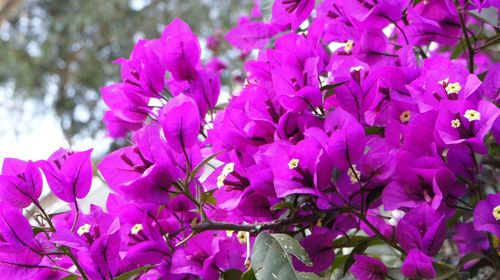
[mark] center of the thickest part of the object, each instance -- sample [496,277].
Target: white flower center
[348,46]
[228,168]
[354,174]
[136,228]
[455,123]
[294,163]
[356,68]
[405,116]
[242,237]
[453,88]
[83,229]
[496,212]
[472,115]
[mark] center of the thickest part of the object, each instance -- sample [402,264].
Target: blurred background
[56,54]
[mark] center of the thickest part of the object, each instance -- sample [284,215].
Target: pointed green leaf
[132,273]
[248,275]
[282,205]
[271,261]
[444,272]
[232,274]
[203,163]
[359,249]
[293,247]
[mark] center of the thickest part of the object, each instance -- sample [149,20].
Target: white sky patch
[433,46]
[333,46]
[388,30]
[138,5]
[31,137]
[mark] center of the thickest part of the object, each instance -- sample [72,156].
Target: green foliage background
[59,52]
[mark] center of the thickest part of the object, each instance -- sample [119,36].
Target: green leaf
[208,198]
[293,247]
[444,272]
[71,277]
[457,51]
[271,261]
[37,230]
[375,130]
[395,273]
[469,257]
[203,163]
[308,276]
[339,262]
[248,275]
[359,249]
[330,88]
[232,274]
[129,275]
[282,205]
[344,242]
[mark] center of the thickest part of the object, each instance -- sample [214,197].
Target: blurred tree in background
[58,52]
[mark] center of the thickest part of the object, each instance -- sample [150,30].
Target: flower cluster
[354,127]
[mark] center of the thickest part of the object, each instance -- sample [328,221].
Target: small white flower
[472,115]
[83,229]
[455,123]
[452,88]
[348,46]
[356,68]
[294,163]
[136,228]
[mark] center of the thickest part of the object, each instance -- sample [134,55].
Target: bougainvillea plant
[363,141]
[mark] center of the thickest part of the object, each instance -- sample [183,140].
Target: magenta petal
[347,142]
[320,250]
[180,120]
[78,170]
[24,184]
[250,35]
[22,265]
[417,265]
[14,227]
[121,166]
[368,268]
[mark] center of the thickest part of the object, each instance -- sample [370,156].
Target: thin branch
[254,228]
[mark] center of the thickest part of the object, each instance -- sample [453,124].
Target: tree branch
[253,228]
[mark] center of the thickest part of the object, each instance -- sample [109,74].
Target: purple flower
[69,174]
[487,214]
[319,247]
[347,141]
[468,240]
[250,35]
[418,265]
[180,121]
[181,50]
[462,123]
[15,230]
[422,228]
[368,268]
[292,12]
[20,182]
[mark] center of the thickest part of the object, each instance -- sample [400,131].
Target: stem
[45,216]
[377,232]
[75,261]
[470,49]
[77,210]
[253,228]
[489,42]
